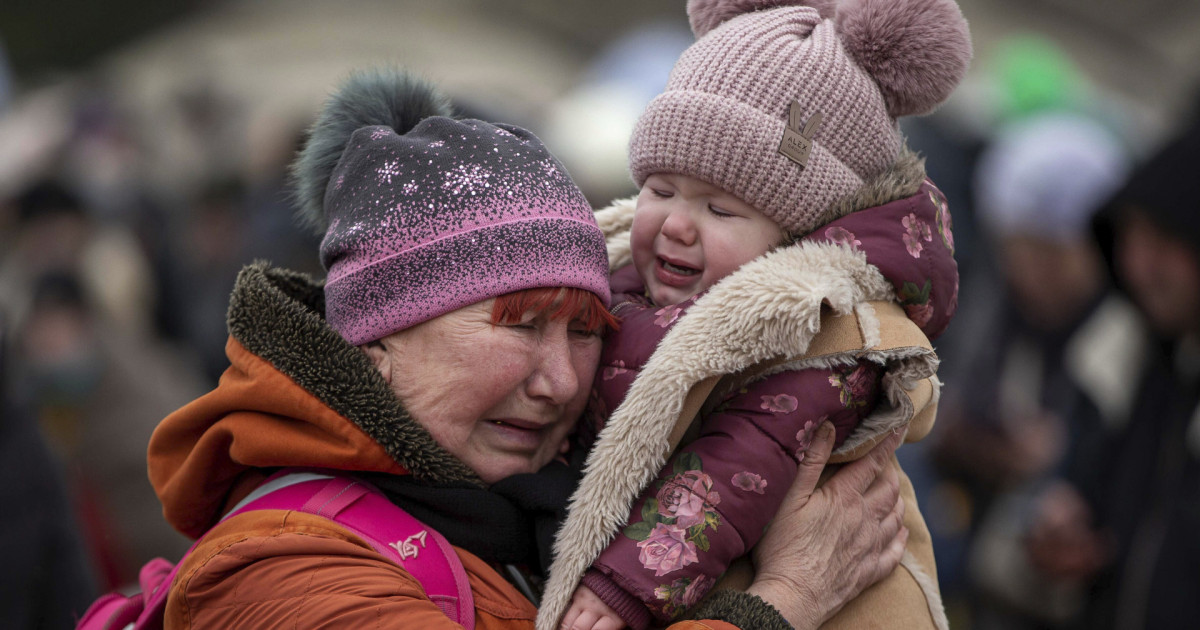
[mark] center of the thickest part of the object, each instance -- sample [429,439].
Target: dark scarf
[512,522]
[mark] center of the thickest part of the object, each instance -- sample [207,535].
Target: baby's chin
[665,296]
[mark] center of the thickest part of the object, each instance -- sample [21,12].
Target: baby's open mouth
[679,269]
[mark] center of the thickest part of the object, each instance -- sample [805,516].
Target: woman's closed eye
[530,324]
[536,326]
[584,332]
[662,193]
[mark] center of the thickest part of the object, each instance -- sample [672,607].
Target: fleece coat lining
[768,311]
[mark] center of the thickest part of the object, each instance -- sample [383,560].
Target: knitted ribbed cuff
[631,609]
[742,610]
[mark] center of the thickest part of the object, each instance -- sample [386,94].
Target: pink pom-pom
[916,50]
[705,15]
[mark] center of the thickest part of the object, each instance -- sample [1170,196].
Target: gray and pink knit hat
[791,105]
[424,214]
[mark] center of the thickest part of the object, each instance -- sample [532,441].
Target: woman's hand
[826,545]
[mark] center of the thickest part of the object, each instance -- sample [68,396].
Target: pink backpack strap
[356,506]
[394,533]
[140,611]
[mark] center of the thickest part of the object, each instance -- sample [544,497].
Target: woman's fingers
[893,540]
[892,555]
[883,494]
[870,487]
[826,546]
[891,522]
[862,473]
[809,472]
[815,459]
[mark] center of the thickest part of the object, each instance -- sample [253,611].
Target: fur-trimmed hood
[295,394]
[876,282]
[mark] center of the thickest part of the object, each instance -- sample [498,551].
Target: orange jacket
[274,569]
[296,394]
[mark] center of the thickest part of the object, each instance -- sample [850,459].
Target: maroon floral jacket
[713,500]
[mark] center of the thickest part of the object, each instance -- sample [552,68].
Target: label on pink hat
[796,144]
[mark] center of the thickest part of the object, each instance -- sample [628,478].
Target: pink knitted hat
[424,214]
[791,104]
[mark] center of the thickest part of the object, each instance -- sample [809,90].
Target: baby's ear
[916,50]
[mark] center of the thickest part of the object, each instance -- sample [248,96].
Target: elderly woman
[445,362]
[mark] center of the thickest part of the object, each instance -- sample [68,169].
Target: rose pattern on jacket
[749,482]
[915,231]
[666,549]
[687,497]
[920,314]
[854,384]
[671,533]
[915,301]
[683,592]
[780,403]
[842,236]
[804,436]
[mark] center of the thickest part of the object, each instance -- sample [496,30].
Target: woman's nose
[679,226]
[555,379]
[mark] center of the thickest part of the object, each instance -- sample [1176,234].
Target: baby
[773,184]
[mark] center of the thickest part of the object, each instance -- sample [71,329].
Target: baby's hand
[589,612]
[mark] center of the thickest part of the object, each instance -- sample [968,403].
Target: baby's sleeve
[715,497]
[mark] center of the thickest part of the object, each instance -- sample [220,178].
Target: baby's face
[688,234]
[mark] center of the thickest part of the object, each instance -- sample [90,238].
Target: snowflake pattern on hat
[451,213]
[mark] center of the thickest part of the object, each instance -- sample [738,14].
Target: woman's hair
[555,302]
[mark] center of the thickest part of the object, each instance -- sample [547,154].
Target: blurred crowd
[113,298]
[1061,487]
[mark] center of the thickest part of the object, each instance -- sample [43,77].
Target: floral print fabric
[712,502]
[912,242]
[915,231]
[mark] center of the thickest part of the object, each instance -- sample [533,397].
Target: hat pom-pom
[916,50]
[705,15]
[391,98]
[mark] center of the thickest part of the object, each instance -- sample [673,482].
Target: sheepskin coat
[834,326]
[297,395]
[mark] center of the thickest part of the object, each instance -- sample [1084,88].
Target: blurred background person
[1025,168]
[1047,334]
[47,578]
[92,389]
[1121,526]
[71,302]
[88,369]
